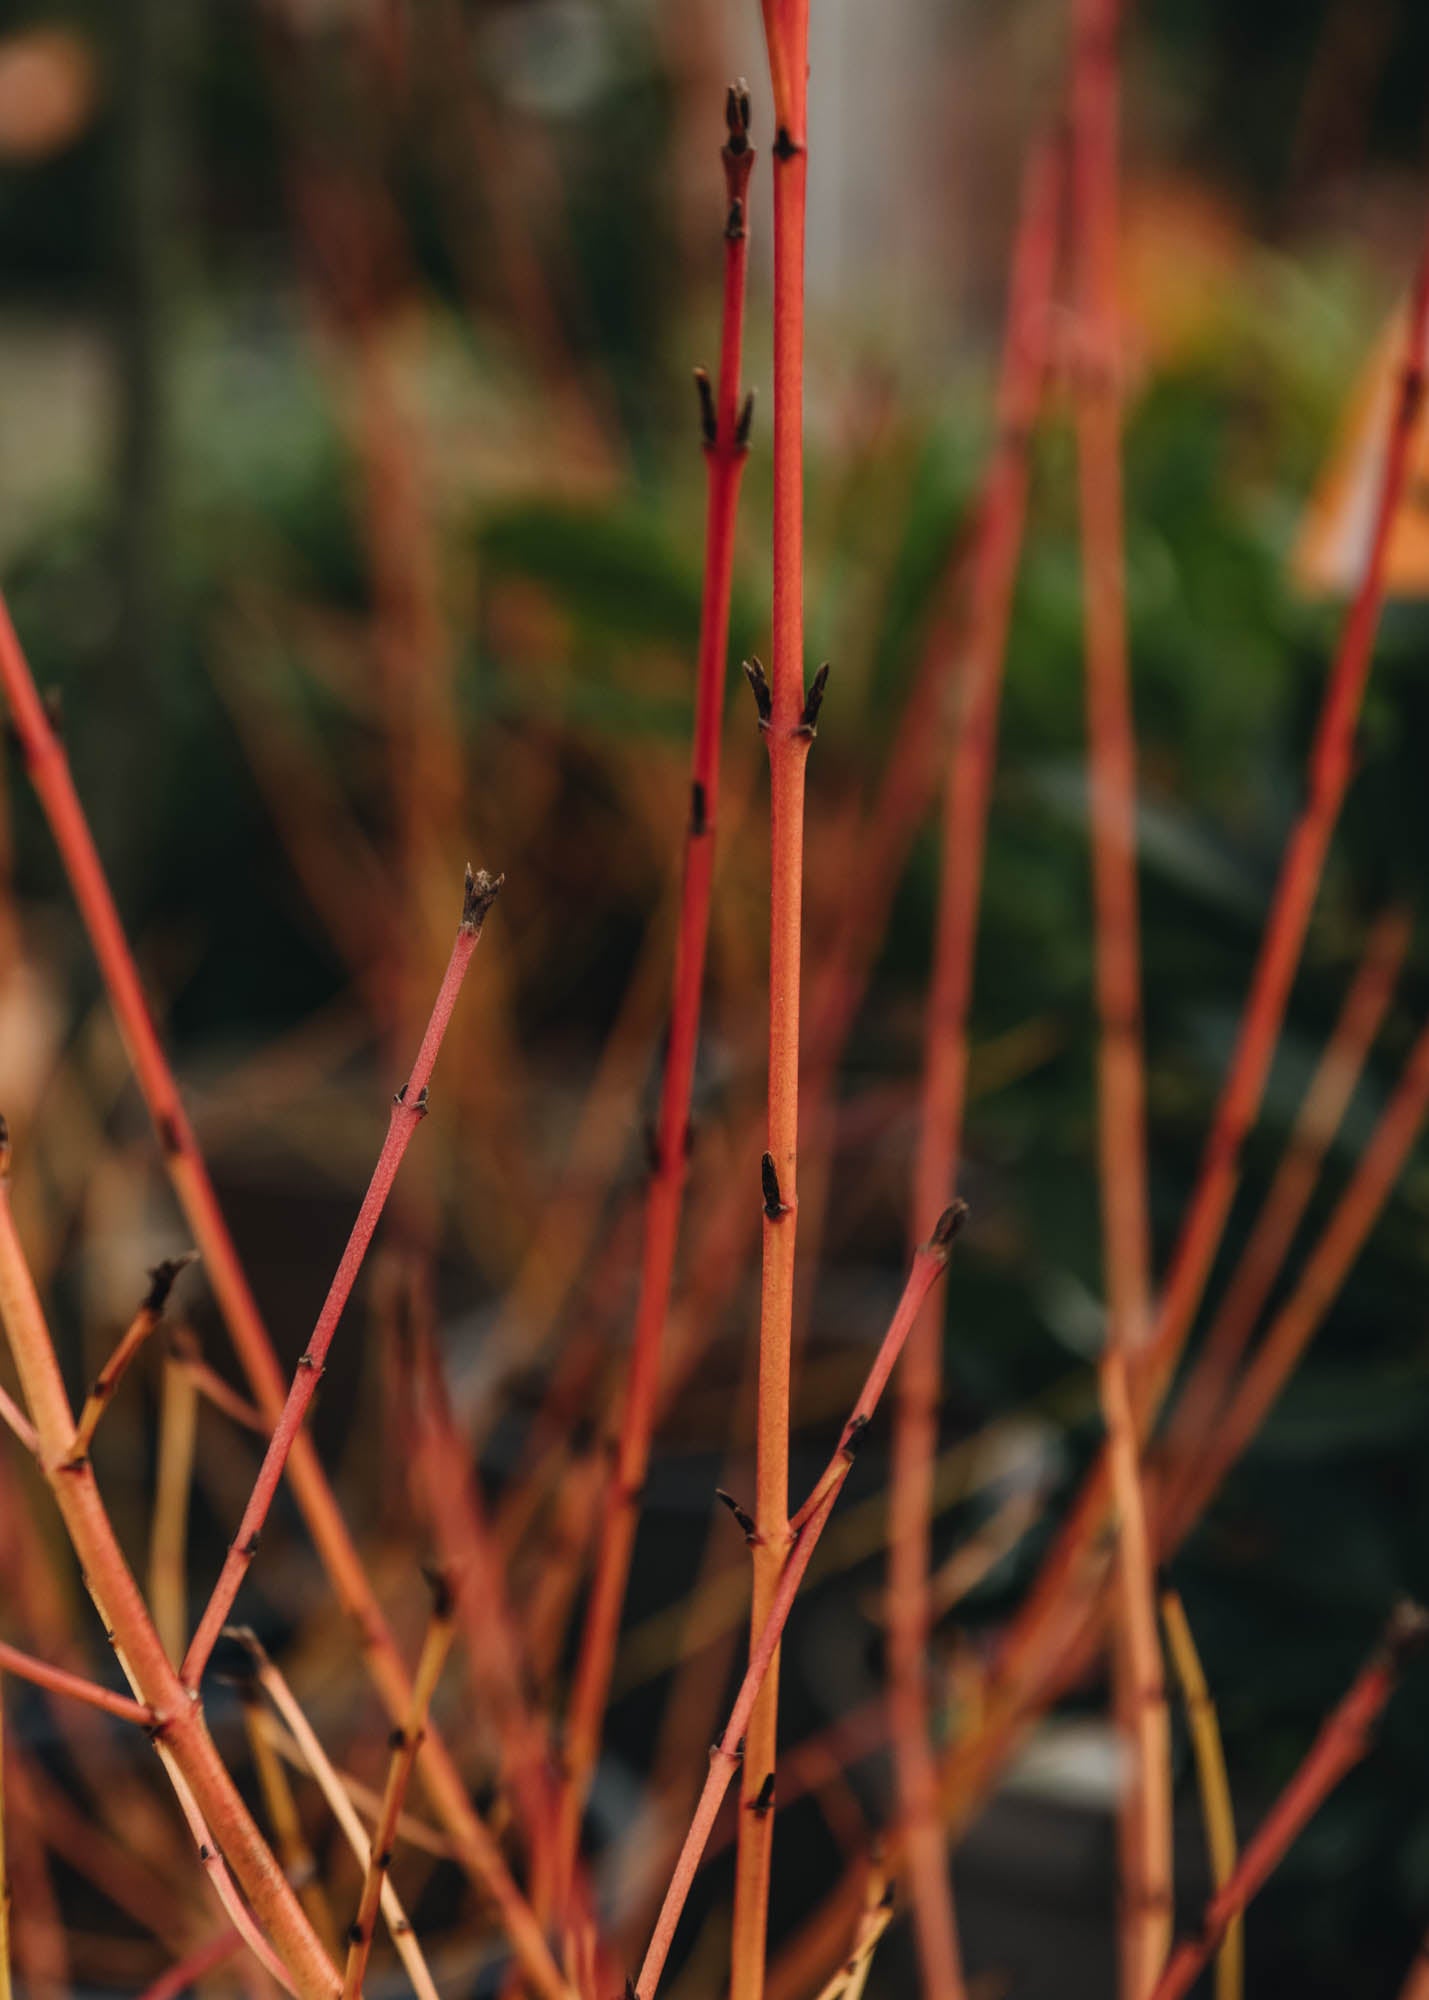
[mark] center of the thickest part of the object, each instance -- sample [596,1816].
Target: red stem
[725,454]
[48,768]
[1344,1738]
[59,1680]
[800,1539]
[409,1108]
[965,808]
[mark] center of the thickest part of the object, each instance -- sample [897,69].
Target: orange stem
[1343,1739]
[409,1108]
[800,1538]
[48,768]
[726,448]
[180,1732]
[1326,1101]
[1001,516]
[787,736]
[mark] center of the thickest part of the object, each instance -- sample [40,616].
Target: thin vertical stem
[788,730]
[1144,1828]
[1217,1811]
[342,1809]
[726,448]
[965,808]
[1147,1911]
[405,1743]
[6,1988]
[173,1485]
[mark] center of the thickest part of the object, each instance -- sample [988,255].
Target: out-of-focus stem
[1344,1738]
[49,773]
[726,448]
[1217,1811]
[405,1743]
[1326,1101]
[965,807]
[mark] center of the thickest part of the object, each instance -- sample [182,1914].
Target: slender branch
[409,1108]
[340,1806]
[151,1311]
[180,1734]
[1326,1101]
[1331,763]
[60,1681]
[405,1743]
[1147,1907]
[224,1888]
[1035,1643]
[475,1849]
[801,1537]
[14,1419]
[6,1985]
[1217,1811]
[1344,1738]
[299,1863]
[1144,1814]
[205,1958]
[967,795]
[169,1524]
[849,1981]
[726,448]
[1294,1326]
[787,737]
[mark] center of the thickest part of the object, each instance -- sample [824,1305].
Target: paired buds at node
[808,724]
[736,116]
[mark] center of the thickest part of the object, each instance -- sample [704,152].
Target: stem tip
[948,1225]
[480,893]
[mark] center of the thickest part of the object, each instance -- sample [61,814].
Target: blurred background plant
[350,500]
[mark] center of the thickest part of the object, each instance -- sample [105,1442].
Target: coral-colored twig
[1343,1739]
[406,1741]
[1001,514]
[1326,1268]
[60,1681]
[800,1538]
[48,768]
[725,422]
[180,1733]
[1031,1650]
[150,1312]
[409,1108]
[1326,1101]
